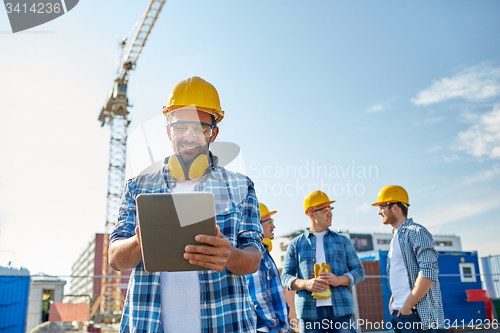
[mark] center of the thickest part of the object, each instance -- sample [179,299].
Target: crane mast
[115,114]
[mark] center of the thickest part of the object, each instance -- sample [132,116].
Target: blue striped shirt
[224,299]
[340,255]
[268,297]
[421,259]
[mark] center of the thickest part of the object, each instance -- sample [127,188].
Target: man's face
[268,226]
[388,216]
[187,140]
[322,216]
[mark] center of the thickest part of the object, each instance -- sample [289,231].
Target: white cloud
[381,106]
[455,212]
[483,137]
[477,177]
[430,188]
[475,83]
[450,158]
[376,108]
[364,208]
[434,149]
[434,120]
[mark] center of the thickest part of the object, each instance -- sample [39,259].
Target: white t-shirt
[398,274]
[180,292]
[320,258]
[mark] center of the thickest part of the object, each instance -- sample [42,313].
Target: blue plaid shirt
[340,255]
[224,299]
[421,259]
[268,297]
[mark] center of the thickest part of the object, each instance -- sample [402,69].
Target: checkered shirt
[224,299]
[299,264]
[421,259]
[268,297]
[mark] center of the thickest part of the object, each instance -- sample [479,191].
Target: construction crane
[115,114]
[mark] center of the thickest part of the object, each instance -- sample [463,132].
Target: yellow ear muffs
[269,243]
[198,167]
[195,170]
[176,167]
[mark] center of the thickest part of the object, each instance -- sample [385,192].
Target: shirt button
[227,209]
[314,248]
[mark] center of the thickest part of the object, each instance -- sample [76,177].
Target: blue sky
[407,90]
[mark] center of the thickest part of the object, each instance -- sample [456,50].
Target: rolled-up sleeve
[356,272]
[127,217]
[426,254]
[250,231]
[290,266]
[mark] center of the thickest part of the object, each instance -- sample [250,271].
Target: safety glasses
[181,128]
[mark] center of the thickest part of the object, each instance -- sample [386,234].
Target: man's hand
[315,285]
[213,257]
[126,253]
[421,287]
[138,234]
[329,278]
[405,311]
[391,310]
[334,280]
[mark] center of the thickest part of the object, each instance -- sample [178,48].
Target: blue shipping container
[453,284]
[14,293]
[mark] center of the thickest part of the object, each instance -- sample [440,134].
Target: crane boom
[148,21]
[115,114]
[130,61]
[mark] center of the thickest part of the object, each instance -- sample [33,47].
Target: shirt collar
[308,233]
[405,224]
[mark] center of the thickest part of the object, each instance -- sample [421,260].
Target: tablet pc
[170,221]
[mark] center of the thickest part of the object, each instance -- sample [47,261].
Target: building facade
[86,273]
[44,291]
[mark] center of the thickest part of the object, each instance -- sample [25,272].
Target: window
[283,246]
[362,242]
[442,243]
[467,272]
[383,241]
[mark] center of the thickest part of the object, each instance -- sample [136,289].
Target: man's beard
[203,151]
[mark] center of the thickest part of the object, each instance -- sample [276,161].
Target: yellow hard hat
[264,211]
[315,198]
[392,193]
[198,92]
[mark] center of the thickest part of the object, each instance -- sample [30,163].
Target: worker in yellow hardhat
[267,225]
[389,196]
[412,267]
[193,112]
[324,297]
[264,286]
[190,301]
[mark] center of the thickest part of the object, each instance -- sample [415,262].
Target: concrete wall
[35,301]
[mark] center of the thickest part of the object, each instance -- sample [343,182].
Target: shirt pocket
[270,274]
[227,217]
[225,208]
[305,262]
[337,260]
